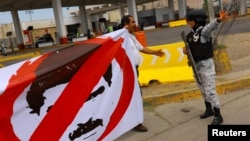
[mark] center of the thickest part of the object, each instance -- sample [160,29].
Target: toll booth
[28,37]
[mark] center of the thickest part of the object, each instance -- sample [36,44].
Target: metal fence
[233,44]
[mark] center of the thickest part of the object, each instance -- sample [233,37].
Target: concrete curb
[192,93]
[22,56]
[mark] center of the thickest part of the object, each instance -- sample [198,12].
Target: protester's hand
[159,53]
[184,50]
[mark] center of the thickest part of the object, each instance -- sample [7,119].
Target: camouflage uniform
[206,69]
[206,72]
[201,47]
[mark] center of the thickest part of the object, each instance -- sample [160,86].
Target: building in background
[157,13]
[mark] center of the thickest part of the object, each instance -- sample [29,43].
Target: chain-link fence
[233,42]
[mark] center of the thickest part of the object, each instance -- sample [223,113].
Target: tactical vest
[200,51]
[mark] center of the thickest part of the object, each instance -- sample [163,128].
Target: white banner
[86,92]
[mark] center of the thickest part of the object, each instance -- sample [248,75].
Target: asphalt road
[165,35]
[172,35]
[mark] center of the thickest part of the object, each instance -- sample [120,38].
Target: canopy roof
[8,5]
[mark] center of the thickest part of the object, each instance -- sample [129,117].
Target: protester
[200,42]
[128,22]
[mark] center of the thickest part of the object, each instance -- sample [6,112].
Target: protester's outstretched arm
[153,52]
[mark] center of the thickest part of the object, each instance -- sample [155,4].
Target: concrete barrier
[48,44]
[170,68]
[79,39]
[177,23]
[141,37]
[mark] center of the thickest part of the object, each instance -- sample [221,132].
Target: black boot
[208,112]
[217,117]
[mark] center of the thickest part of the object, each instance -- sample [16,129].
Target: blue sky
[5,17]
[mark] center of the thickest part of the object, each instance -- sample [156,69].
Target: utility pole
[153,8]
[210,6]
[29,12]
[2,31]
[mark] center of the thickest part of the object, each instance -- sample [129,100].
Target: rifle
[190,58]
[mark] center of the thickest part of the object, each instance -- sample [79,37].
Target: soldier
[200,43]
